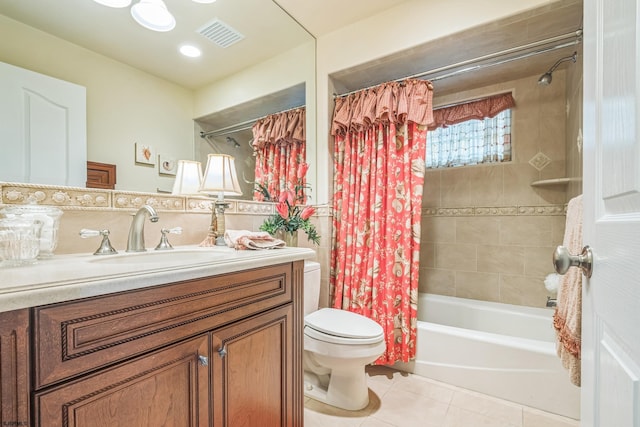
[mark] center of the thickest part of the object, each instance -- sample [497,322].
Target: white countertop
[69,277]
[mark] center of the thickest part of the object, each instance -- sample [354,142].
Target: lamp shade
[220,176]
[188,178]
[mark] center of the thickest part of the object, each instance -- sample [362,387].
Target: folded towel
[244,239]
[568,316]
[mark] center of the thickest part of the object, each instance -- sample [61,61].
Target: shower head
[546,78]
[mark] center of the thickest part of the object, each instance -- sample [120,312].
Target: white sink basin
[172,257]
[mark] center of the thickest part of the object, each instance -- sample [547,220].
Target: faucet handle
[105,246]
[164,242]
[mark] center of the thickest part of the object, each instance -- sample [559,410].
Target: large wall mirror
[141,92]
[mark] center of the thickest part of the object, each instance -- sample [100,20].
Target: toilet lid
[344,324]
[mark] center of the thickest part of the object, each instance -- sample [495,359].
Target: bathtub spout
[551,302]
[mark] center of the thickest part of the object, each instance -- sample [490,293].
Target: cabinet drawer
[83,335]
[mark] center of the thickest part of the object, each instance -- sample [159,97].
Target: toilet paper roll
[551,282]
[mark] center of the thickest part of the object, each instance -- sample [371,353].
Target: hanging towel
[244,239]
[568,315]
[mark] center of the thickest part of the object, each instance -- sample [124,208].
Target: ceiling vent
[220,33]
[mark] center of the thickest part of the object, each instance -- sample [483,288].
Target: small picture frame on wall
[145,154]
[167,165]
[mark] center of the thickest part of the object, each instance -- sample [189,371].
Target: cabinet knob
[204,360]
[222,351]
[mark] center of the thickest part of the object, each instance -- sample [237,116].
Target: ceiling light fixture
[190,51]
[114,3]
[205,1]
[154,15]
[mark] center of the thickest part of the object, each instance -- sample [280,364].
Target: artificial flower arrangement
[290,215]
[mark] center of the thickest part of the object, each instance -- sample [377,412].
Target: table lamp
[220,178]
[188,179]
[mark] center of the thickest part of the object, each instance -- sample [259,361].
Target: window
[469,133]
[470,142]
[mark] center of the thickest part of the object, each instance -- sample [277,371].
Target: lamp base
[216,229]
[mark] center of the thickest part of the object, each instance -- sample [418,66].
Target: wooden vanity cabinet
[219,351]
[14,368]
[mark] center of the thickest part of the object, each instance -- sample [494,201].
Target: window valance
[480,109]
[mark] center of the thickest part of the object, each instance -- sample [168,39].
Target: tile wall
[487,233]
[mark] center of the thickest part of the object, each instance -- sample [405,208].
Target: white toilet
[337,346]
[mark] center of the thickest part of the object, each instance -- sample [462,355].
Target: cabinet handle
[222,351]
[204,360]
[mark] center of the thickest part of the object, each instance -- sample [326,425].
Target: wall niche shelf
[554,181]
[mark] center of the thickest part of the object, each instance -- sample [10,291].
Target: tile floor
[398,399]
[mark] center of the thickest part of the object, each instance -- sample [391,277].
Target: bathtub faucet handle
[563,260]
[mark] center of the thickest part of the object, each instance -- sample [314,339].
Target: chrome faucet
[551,302]
[135,243]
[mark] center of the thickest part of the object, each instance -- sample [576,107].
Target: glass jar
[19,241]
[50,218]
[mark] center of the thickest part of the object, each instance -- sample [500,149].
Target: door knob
[562,260]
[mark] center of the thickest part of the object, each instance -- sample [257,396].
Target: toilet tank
[311,286]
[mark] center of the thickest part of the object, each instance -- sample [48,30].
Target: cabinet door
[168,387]
[14,368]
[253,370]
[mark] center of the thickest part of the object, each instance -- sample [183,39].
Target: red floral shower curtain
[279,143]
[380,141]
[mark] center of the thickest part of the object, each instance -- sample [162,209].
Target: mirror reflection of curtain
[380,141]
[279,143]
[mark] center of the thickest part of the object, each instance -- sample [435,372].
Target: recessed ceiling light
[190,51]
[114,3]
[154,15]
[204,1]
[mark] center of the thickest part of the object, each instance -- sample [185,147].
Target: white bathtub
[502,350]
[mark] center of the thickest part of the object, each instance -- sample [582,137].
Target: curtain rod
[247,124]
[574,34]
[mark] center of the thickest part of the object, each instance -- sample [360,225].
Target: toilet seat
[342,327]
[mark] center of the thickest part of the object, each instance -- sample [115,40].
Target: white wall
[124,104]
[405,26]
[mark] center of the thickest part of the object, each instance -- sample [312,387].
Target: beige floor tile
[410,410]
[535,418]
[372,422]
[459,417]
[424,387]
[321,415]
[398,399]
[507,412]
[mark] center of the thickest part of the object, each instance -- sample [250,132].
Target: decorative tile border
[77,198]
[64,197]
[545,210]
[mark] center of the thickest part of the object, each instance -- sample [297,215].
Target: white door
[611,298]
[42,129]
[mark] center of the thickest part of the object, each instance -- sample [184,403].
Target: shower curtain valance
[279,145]
[480,109]
[280,128]
[397,102]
